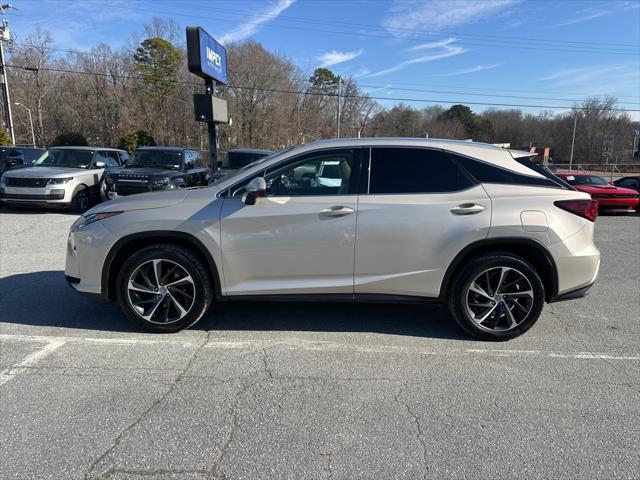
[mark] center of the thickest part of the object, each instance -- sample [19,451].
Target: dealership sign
[206,57]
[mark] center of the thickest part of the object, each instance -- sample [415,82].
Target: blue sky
[544,52]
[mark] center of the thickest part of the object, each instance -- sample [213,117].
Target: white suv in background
[69,177]
[475,226]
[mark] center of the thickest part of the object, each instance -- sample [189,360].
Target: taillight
[583,208]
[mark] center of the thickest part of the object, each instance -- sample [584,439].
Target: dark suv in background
[158,168]
[18,157]
[238,158]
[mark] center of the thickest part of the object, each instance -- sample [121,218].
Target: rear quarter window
[486,173]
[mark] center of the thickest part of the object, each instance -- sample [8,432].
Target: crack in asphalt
[147,412]
[586,347]
[416,420]
[155,472]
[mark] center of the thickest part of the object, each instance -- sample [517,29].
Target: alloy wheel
[161,291]
[499,299]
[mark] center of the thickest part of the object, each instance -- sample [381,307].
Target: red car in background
[609,196]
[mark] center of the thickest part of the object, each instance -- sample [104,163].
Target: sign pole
[212,130]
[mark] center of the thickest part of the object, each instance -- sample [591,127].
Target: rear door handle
[467,209]
[337,211]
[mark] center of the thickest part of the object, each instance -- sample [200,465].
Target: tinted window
[487,173]
[628,182]
[112,159]
[155,159]
[414,170]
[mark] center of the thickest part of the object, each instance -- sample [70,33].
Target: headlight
[83,221]
[2,181]
[58,181]
[161,181]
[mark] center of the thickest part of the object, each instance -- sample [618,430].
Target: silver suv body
[472,225]
[68,177]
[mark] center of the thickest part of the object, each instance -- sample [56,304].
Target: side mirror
[255,188]
[219,164]
[100,164]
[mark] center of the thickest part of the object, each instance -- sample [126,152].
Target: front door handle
[337,211]
[467,209]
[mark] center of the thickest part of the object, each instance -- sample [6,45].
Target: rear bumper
[572,295]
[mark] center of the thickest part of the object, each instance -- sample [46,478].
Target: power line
[324,94]
[512,44]
[394,86]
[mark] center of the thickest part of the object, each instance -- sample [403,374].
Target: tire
[81,200]
[164,308]
[513,311]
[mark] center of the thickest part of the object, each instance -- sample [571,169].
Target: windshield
[65,158]
[238,173]
[237,160]
[155,159]
[586,180]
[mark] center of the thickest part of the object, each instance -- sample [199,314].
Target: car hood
[45,172]
[603,189]
[142,201]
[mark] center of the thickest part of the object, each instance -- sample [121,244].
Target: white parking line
[303,344]
[8,373]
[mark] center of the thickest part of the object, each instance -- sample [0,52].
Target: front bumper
[619,203]
[50,195]
[87,249]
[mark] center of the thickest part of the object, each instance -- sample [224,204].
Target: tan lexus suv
[475,226]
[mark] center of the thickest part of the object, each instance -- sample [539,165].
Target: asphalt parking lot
[312,391]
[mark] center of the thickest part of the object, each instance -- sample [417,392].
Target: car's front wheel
[497,296]
[164,288]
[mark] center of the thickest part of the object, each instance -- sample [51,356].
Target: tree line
[141,94]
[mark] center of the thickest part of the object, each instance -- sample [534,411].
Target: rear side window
[414,170]
[487,173]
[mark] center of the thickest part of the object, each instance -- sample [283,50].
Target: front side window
[318,174]
[331,172]
[65,158]
[398,170]
[155,159]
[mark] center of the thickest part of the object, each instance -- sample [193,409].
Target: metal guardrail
[612,170]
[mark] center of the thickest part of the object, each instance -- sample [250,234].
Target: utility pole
[573,140]
[5,36]
[339,112]
[33,135]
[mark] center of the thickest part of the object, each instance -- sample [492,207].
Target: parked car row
[610,195]
[76,177]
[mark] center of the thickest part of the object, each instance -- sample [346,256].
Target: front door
[300,238]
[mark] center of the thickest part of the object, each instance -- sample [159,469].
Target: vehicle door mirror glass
[254,189]
[100,164]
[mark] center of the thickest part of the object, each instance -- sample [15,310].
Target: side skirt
[332,297]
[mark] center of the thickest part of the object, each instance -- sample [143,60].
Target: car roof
[250,150]
[167,149]
[86,148]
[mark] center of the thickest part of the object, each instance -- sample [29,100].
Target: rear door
[419,211]
[300,238]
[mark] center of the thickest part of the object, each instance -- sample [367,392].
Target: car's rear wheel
[497,296]
[164,288]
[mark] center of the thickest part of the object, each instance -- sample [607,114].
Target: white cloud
[408,16]
[445,52]
[580,19]
[431,45]
[328,59]
[478,68]
[251,26]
